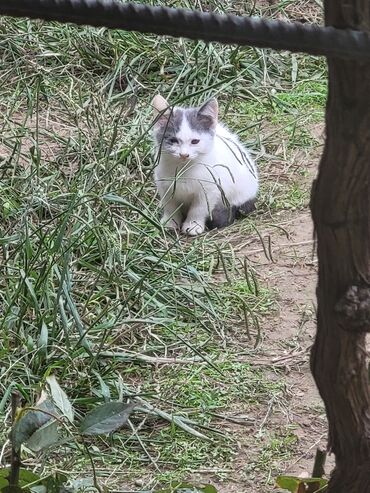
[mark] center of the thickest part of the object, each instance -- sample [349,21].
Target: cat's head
[185,133]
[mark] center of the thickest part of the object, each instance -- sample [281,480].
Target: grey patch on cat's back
[198,122]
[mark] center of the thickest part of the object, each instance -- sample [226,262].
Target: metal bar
[228,29]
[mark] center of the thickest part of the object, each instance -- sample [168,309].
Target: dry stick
[319,464]
[305,454]
[15,457]
[95,477]
[142,445]
[285,245]
[318,470]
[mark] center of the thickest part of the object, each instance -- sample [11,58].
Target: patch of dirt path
[288,333]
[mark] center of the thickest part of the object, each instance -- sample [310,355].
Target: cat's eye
[195,141]
[173,140]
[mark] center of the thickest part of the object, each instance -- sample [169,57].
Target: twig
[142,445]
[319,464]
[93,468]
[131,356]
[305,454]
[318,470]
[280,247]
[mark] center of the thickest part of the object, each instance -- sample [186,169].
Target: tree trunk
[340,208]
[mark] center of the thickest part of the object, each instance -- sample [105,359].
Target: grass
[91,288]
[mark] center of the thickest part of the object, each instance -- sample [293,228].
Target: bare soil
[288,334]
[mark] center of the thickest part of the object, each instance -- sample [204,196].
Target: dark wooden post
[340,208]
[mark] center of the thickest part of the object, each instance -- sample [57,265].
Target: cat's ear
[210,109]
[160,105]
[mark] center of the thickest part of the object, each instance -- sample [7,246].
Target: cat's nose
[184,156]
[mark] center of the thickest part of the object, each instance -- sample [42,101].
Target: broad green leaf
[289,483]
[25,478]
[4,472]
[3,483]
[106,418]
[320,481]
[60,398]
[294,484]
[30,421]
[51,484]
[43,437]
[30,482]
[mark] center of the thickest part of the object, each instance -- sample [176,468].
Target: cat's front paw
[192,228]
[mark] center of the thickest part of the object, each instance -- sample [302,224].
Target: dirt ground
[288,336]
[293,275]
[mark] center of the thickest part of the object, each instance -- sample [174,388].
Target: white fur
[215,172]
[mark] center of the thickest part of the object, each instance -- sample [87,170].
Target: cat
[205,177]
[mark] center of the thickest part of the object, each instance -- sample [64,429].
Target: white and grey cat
[205,176]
